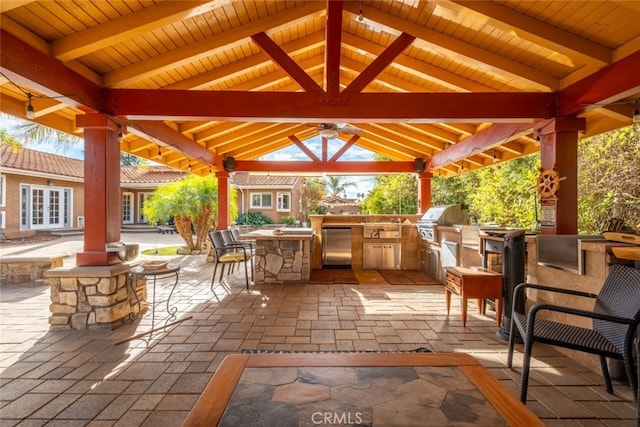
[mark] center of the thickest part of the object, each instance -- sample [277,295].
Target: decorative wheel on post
[548,183]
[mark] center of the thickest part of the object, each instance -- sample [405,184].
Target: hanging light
[159,153]
[31,114]
[636,112]
[360,15]
[189,167]
[495,159]
[120,135]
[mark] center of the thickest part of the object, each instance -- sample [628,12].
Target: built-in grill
[440,216]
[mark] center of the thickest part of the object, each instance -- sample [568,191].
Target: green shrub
[253,218]
[288,220]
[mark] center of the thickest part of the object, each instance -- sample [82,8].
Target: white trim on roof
[264,186]
[37,174]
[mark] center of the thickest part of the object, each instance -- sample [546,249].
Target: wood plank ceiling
[460,84]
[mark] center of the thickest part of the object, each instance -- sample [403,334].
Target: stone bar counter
[282,258]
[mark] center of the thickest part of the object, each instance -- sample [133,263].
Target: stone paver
[81,378]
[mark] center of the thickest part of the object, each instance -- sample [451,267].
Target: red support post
[559,152]
[424,191]
[223,200]
[102,199]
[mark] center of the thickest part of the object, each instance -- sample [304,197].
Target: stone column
[95,298]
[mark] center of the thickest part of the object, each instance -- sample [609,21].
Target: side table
[163,273]
[474,282]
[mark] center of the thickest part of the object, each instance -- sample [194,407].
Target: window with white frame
[2,220]
[261,200]
[284,202]
[3,190]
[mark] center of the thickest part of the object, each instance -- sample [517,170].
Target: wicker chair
[229,253]
[615,318]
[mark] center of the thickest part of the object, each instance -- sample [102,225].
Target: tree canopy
[609,179]
[393,194]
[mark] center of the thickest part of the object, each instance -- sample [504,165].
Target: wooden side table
[474,282]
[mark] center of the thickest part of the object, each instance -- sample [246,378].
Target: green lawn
[163,251]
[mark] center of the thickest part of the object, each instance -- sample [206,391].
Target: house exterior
[336,205]
[273,196]
[43,191]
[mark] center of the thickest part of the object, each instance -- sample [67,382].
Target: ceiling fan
[331,130]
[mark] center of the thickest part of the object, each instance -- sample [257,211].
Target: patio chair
[235,235]
[615,318]
[228,254]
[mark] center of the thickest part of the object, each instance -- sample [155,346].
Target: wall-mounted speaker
[229,164]
[418,165]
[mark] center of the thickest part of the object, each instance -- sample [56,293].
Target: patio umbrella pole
[152,330]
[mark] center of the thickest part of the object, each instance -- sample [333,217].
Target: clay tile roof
[149,174]
[336,201]
[38,161]
[246,180]
[29,160]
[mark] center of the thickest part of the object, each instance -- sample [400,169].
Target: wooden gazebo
[211,86]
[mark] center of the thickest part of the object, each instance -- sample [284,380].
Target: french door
[127,208]
[47,207]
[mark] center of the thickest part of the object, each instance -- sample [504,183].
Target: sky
[362,183]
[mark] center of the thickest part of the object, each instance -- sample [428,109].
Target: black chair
[235,235]
[224,254]
[615,318]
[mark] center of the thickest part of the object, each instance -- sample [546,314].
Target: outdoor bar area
[282,255]
[286,213]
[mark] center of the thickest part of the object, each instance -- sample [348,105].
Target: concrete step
[138,228]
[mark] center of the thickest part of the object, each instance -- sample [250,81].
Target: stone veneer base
[97,298]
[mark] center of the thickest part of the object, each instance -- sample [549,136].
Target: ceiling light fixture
[120,135]
[31,114]
[159,153]
[329,133]
[495,158]
[189,167]
[636,112]
[361,15]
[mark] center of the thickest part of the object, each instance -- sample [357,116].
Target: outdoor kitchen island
[282,255]
[376,241]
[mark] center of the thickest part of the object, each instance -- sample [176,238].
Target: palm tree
[336,187]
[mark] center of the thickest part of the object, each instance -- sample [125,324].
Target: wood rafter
[482,141]
[121,29]
[135,72]
[542,33]
[288,65]
[380,63]
[415,67]
[538,80]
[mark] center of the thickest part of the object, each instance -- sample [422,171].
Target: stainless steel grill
[440,215]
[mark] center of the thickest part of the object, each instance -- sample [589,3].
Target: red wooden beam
[325,148]
[617,81]
[285,62]
[304,148]
[157,131]
[479,142]
[151,104]
[27,66]
[333,44]
[380,63]
[344,148]
[370,168]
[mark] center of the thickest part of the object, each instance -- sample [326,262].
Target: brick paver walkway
[82,378]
